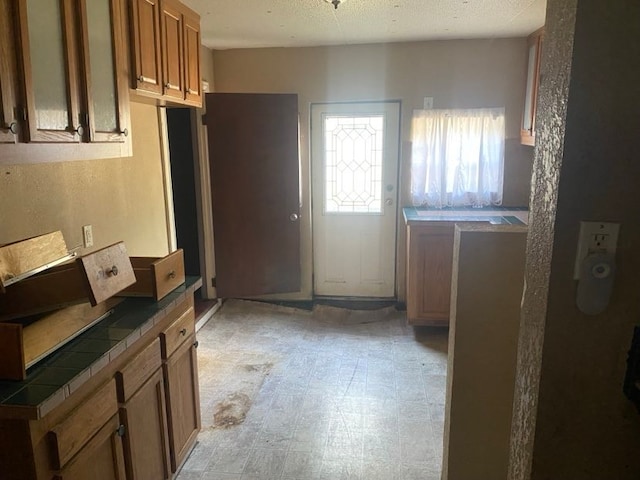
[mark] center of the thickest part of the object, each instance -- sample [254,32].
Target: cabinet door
[172,51]
[105,84]
[183,401]
[146,439]
[8,74]
[145,17]
[50,71]
[429,268]
[528,130]
[100,459]
[193,84]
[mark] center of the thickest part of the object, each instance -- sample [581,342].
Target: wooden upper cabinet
[145,40]
[105,81]
[528,130]
[193,83]
[165,44]
[50,71]
[9,124]
[172,50]
[63,81]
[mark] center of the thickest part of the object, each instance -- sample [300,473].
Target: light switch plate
[595,237]
[87,236]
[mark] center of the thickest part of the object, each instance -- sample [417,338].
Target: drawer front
[70,435]
[175,334]
[130,378]
[168,273]
[107,272]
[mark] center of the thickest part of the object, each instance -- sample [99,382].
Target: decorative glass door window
[353,148]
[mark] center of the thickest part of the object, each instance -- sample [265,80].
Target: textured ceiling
[295,23]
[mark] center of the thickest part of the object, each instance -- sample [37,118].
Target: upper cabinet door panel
[49,61]
[9,126]
[193,84]
[172,51]
[146,45]
[105,89]
[528,130]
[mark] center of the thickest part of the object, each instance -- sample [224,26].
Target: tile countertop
[493,215]
[53,379]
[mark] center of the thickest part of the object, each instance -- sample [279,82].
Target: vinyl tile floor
[328,394]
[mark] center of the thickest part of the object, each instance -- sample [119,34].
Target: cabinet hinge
[213,282]
[204,119]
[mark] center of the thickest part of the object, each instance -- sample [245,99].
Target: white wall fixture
[595,237]
[595,265]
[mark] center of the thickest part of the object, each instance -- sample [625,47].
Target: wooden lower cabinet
[135,418]
[429,269]
[146,443]
[100,459]
[183,400]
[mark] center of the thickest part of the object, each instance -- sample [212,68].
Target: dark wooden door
[253,155]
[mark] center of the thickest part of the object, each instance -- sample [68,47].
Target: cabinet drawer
[107,272]
[130,378]
[70,435]
[176,333]
[156,277]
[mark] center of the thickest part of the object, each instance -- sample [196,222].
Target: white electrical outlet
[595,237]
[87,236]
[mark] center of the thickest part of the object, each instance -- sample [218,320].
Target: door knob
[293,217]
[388,202]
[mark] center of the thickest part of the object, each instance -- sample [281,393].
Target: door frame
[203,196]
[397,197]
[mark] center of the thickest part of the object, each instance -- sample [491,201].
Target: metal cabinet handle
[12,127]
[293,217]
[141,79]
[183,332]
[125,132]
[195,344]
[79,130]
[121,431]
[113,271]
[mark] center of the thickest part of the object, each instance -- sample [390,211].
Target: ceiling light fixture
[335,3]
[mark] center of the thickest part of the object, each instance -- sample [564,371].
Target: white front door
[354,170]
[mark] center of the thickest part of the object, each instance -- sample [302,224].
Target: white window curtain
[457,157]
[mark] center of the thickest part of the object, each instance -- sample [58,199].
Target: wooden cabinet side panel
[183,402]
[16,452]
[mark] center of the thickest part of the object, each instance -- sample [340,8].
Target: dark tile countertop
[493,215]
[53,379]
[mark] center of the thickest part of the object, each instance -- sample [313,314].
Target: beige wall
[457,74]
[206,66]
[122,198]
[586,168]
